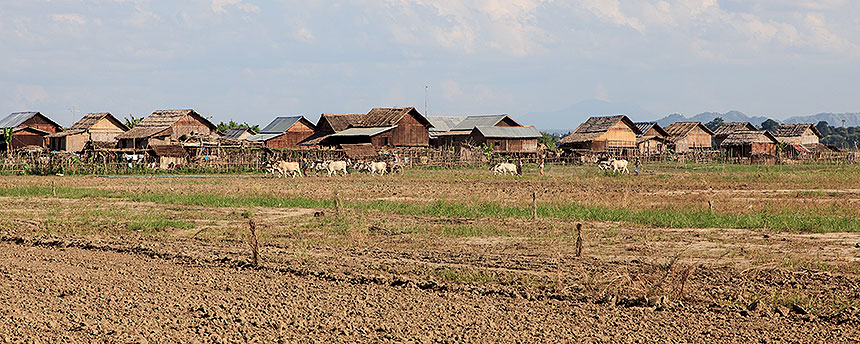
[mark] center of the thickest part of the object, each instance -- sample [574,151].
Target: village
[171,139]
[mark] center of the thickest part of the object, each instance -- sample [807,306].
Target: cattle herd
[330,168]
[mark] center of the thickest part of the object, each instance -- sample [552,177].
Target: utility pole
[426,100]
[74,111]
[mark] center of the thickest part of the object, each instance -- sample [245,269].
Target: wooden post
[534,205]
[255,244]
[53,189]
[336,203]
[710,207]
[578,239]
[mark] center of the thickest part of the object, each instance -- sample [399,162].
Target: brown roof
[789,130]
[596,126]
[160,121]
[386,117]
[341,121]
[680,130]
[176,151]
[743,137]
[87,122]
[730,127]
[359,150]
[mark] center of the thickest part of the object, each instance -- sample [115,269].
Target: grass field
[712,236]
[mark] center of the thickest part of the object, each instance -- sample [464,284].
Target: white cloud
[69,18]
[219,6]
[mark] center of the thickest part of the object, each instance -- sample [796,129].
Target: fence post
[534,205]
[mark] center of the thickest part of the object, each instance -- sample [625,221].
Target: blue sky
[253,60]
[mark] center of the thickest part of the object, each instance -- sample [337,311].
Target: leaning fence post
[534,205]
[254,243]
[710,207]
[578,251]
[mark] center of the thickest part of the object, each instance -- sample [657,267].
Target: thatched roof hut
[686,136]
[601,134]
[100,127]
[167,127]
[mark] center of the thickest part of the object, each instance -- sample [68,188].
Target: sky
[253,60]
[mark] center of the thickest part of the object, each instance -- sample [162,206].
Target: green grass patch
[665,217]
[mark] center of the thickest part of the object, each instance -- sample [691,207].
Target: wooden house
[747,143]
[170,156]
[28,129]
[386,127]
[798,134]
[238,134]
[687,136]
[652,138]
[507,139]
[601,134]
[285,132]
[166,127]
[725,129]
[328,124]
[462,131]
[97,129]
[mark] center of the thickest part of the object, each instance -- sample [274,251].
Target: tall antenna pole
[425,101]
[74,111]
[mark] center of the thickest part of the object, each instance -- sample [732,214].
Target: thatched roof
[645,126]
[386,117]
[795,130]
[594,127]
[340,121]
[730,127]
[679,130]
[160,121]
[87,122]
[174,151]
[359,150]
[745,137]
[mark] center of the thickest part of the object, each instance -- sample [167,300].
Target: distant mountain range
[567,119]
[834,119]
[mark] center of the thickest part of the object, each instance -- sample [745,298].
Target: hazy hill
[834,119]
[705,117]
[569,118]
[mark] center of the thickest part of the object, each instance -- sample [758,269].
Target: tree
[770,125]
[716,123]
[131,121]
[823,128]
[549,140]
[222,127]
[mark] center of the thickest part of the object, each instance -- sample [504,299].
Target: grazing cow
[281,168]
[619,166]
[504,168]
[378,167]
[604,165]
[334,167]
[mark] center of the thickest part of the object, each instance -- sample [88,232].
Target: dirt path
[69,294]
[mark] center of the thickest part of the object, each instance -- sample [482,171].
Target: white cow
[504,168]
[619,165]
[378,167]
[281,168]
[333,167]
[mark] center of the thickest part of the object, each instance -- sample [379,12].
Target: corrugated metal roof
[363,131]
[480,121]
[280,125]
[234,133]
[16,118]
[509,132]
[443,123]
[263,137]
